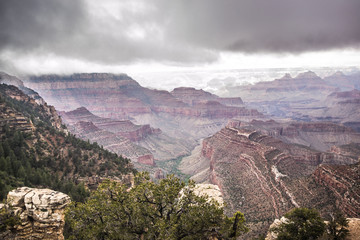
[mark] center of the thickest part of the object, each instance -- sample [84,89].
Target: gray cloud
[267,26]
[182,31]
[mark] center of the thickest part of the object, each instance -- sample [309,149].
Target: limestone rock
[41,212]
[211,190]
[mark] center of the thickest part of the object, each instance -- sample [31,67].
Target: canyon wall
[264,177]
[167,124]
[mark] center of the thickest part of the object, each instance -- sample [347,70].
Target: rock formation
[343,183]
[210,190]
[16,119]
[146,159]
[41,213]
[320,136]
[344,82]
[102,93]
[264,177]
[307,97]
[124,137]
[167,124]
[193,96]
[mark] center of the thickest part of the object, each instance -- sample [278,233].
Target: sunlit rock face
[41,213]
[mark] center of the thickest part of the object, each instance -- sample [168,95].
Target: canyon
[291,142]
[264,177]
[140,123]
[307,97]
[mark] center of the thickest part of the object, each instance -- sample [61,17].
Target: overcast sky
[64,36]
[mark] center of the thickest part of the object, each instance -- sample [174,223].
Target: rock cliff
[343,183]
[124,137]
[262,176]
[165,123]
[307,97]
[41,213]
[17,119]
[193,96]
[320,136]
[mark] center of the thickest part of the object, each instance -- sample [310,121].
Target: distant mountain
[194,96]
[183,116]
[344,82]
[307,97]
[36,150]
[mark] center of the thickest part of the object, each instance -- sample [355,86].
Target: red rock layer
[123,128]
[263,176]
[344,184]
[146,159]
[119,96]
[193,96]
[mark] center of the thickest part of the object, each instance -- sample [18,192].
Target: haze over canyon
[253,102]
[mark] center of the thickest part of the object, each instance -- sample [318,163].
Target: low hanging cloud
[178,31]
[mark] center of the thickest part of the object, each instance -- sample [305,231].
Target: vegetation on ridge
[165,210]
[45,156]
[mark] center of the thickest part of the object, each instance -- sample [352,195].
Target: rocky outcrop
[209,190]
[41,212]
[16,119]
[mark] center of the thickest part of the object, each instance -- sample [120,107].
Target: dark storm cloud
[29,24]
[177,30]
[267,25]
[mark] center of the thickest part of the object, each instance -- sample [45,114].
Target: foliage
[8,219]
[47,156]
[300,224]
[164,210]
[336,229]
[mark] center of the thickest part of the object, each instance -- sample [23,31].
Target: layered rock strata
[321,136]
[262,176]
[344,184]
[124,137]
[41,213]
[306,97]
